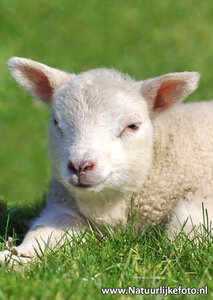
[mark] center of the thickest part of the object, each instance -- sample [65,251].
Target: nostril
[72,167]
[86,166]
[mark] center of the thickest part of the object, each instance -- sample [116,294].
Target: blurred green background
[144,38]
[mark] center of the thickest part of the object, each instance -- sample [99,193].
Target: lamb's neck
[108,207]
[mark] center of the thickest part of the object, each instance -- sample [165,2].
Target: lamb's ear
[42,81]
[163,92]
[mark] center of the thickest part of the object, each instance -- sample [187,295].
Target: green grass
[144,38]
[123,259]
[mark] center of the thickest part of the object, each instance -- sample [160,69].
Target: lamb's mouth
[83,185]
[88,186]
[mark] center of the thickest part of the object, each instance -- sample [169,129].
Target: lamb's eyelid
[134,123]
[123,128]
[54,116]
[138,124]
[56,123]
[55,120]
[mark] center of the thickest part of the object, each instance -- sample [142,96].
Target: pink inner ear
[40,84]
[166,95]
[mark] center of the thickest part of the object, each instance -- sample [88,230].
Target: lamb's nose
[83,167]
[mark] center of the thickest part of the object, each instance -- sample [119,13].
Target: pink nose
[83,167]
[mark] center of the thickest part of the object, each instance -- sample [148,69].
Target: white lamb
[116,145]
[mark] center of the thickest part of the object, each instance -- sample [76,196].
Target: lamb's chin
[82,188]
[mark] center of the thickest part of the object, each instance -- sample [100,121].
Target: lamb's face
[100,129]
[100,136]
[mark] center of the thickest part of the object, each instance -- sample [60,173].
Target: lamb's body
[116,148]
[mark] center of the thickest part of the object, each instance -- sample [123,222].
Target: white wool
[145,154]
[182,165]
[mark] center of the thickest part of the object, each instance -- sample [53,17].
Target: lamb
[118,145]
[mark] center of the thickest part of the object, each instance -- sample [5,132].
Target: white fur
[164,167]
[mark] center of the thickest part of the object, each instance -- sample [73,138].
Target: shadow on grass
[15,222]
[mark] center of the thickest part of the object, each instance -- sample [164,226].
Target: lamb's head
[101,131]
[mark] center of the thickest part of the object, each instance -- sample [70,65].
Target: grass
[144,38]
[81,270]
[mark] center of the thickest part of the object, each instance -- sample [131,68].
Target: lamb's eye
[133,126]
[56,125]
[55,122]
[130,128]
